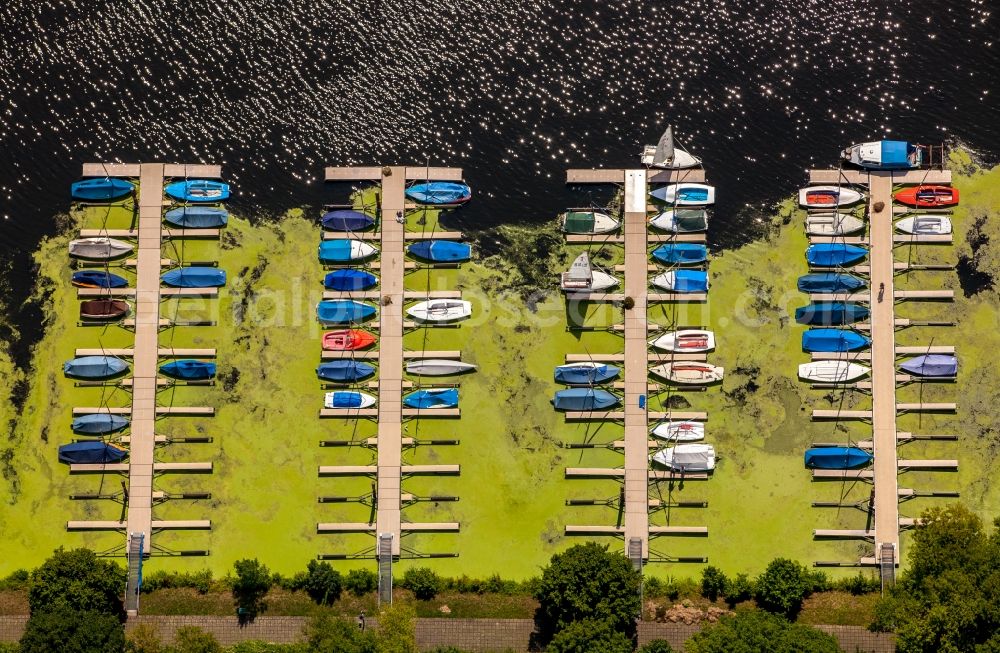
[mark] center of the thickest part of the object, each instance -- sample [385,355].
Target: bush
[10,647]
[191,639]
[198,580]
[361,581]
[325,632]
[253,581]
[16,580]
[64,629]
[590,636]
[713,583]
[322,582]
[397,629]
[756,631]
[657,646]
[78,580]
[257,646]
[422,581]
[860,584]
[739,588]
[652,587]
[143,639]
[782,587]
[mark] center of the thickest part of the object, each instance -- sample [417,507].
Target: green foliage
[78,580]
[322,582]
[590,636]
[422,581]
[160,579]
[257,646]
[739,588]
[657,646]
[446,649]
[713,582]
[860,584]
[361,581]
[326,632]
[397,629]
[253,581]
[10,647]
[68,630]
[783,586]
[17,580]
[756,631]
[143,639]
[191,639]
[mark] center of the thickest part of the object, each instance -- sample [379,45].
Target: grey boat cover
[931,365]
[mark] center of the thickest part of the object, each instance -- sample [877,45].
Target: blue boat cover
[584,399]
[894,154]
[439,192]
[189,369]
[347,399]
[830,313]
[672,253]
[346,280]
[833,340]
[94,367]
[336,251]
[99,423]
[91,452]
[573,375]
[441,250]
[829,282]
[931,365]
[346,220]
[831,255]
[443,398]
[344,371]
[197,217]
[343,311]
[198,190]
[98,279]
[101,190]
[837,458]
[690,281]
[195,277]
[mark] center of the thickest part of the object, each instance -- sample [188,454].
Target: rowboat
[688,373]
[833,224]
[885,155]
[686,458]
[928,196]
[582,278]
[98,424]
[679,431]
[97,279]
[434,398]
[832,255]
[680,253]
[831,313]
[837,458]
[195,277]
[94,367]
[347,340]
[101,190]
[94,452]
[438,367]
[346,220]
[442,251]
[348,280]
[584,399]
[682,281]
[685,194]
[440,310]
[439,192]
[686,340]
[666,154]
[99,248]
[344,251]
[198,190]
[103,309]
[833,340]
[829,282]
[925,225]
[587,222]
[586,373]
[348,399]
[827,197]
[343,311]
[832,371]
[344,371]
[942,365]
[681,221]
[197,217]
[189,369]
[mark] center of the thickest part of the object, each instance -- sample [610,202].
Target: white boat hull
[679,431]
[847,196]
[832,371]
[686,458]
[687,340]
[833,224]
[366,400]
[925,225]
[669,194]
[682,160]
[603,224]
[688,373]
[98,248]
[599,282]
[440,310]
[438,367]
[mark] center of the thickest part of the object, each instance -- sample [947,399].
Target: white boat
[682,281]
[832,224]
[681,221]
[832,371]
[667,154]
[98,248]
[828,197]
[925,225]
[679,431]
[686,458]
[440,310]
[688,373]
[686,194]
[686,340]
[348,399]
[587,222]
[582,278]
[437,367]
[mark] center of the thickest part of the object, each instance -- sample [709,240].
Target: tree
[253,581]
[422,581]
[739,588]
[326,632]
[68,630]
[143,639]
[191,639]
[361,581]
[586,581]
[590,636]
[657,646]
[397,629]
[322,582]
[782,587]
[78,580]
[713,582]
[756,631]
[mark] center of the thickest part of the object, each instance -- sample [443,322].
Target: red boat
[928,196]
[347,340]
[103,309]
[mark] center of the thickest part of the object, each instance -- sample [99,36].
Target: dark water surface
[512,91]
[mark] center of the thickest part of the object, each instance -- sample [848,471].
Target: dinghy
[189,369]
[680,253]
[103,309]
[344,251]
[584,399]
[586,373]
[347,340]
[833,340]
[439,192]
[837,458]
[195,277]
[198,190]
[884,155]
[682,281]
[832,371]
[435,398]
[440,310]
[441,251]
[94,367]
[686,340]
[927,197]
[925,225]
[344,371]
[101,190]
[98,424]
[667,154]
[197,217]
[832,255]
[349,280]
[686,194]
[97,279]
[679,431]
[98,248]
[348,399]
[828,197]
[582,278]
[831,313]
[438,367]
[830,282]
[681,221]
[343,311]
[587,222]
[346,220]
[686,458]
[833,224]
[688,373]
[942,365]
[81,453]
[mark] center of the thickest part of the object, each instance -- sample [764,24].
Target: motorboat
[885,155]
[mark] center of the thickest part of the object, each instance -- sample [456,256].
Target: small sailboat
[189,369]
[667,154]
[685,340]
[584,399]
[438,367]
[197,217]
[587,222]
[884,155]
[833,224]
[681,253]
[682,281]
[683,431]
[98,424]
[585,373]
[103,309]
[198,190]
[832,371]
[688,373]
[582,278]
[439,192]
[348,280]
[93,452]
[345,251]
[94,367]
[434,398]
[940,365]
[925,225]
[831,313]
[927,196]
[346,220]
[832,255]
[195,277]
[686,458]
[440,310]
[97,279]
[830,282]
[828,197]
[348,399]
[681,221]
[833,340]
[347,340]
[343,311]
[441,251]
[837,458]
[101,190]
[100,248]
[344,371]
[685,194]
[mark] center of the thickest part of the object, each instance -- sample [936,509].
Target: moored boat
[679,431]
[97,279]
[197,217]
[439,192]
[925,225]
[681,221]
[346,220]
[685,194]
[438,367]
[828,197]
[441,251]
[98,424]
[189,369]
[584,399]
[433,399]
[344,371]
[582,278]
[585,373]
[100,248]
[667,154]
[686,458]
[884,155]
[681,253]
[833,224]
[927,196]
[832,255]
[587,222]
[347,340]
[685,340]
[348,399]
[347,280]
[833,340]
[103,309]
[343,311]
[94,367]
[837,458]
[688,372]
[832,371]
[831,313]
[195,277]
[682,281]
[440,310]
[345,250]
[198,190]
[101,190]
[93,452]
[940,365]
[829,282]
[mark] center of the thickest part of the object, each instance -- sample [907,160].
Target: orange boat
[347,340]
[928,197]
